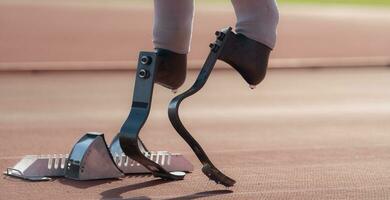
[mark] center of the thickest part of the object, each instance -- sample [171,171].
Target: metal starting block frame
[90,159]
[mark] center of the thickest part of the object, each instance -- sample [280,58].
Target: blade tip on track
[214,174]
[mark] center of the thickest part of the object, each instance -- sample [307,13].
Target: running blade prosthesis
[128,137]
[92,159]
[217,50]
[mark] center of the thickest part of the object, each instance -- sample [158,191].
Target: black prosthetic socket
[247,56]
[171,68]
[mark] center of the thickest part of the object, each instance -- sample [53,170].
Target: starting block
[91,159]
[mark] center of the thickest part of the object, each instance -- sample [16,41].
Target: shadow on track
[92,183]
[85,184]
[202,194]
[116,192]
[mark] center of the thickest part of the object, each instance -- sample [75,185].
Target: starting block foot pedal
[90,159]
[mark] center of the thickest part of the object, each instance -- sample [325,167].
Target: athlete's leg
[173,25]
[171,38]
[257,19]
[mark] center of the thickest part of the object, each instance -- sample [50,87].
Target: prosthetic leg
[129,139]
[249,58]
[173,111]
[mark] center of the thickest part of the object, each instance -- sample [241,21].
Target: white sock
[257,19]
[172,28]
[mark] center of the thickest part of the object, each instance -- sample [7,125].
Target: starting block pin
[63,161]
[127,161]
[49,162]
[56,161]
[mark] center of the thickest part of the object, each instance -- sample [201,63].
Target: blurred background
[115,30]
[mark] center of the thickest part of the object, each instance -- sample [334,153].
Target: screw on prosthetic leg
[129,139]
[208,168]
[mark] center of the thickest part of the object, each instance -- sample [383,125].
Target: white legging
[256,19]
